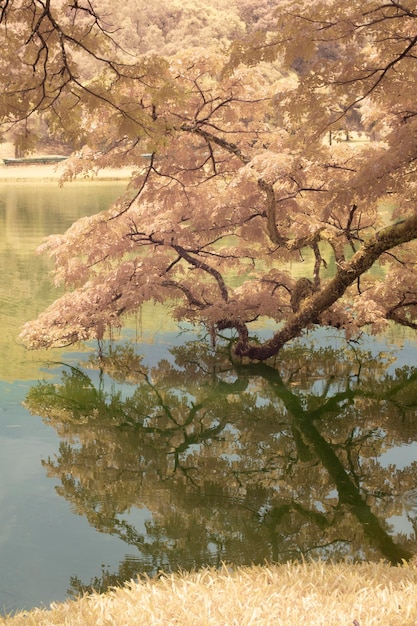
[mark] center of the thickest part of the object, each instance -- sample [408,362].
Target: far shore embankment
[54,172]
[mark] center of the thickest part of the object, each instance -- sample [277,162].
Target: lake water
[165,454]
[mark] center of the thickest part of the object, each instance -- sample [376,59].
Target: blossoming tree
[241,166]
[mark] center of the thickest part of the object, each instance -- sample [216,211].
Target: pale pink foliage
[246,174]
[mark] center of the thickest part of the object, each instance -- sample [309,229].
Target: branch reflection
[236,462]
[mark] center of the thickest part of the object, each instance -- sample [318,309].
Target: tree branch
[230,147]
[347,273]
[205,267]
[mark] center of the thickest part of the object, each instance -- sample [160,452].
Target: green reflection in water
[237,463]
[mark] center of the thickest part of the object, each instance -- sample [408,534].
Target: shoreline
[53,173]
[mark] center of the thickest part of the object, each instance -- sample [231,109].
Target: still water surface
[167,455]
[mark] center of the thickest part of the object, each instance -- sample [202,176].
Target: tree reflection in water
[236,462]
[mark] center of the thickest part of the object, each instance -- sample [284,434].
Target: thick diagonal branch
[347,273]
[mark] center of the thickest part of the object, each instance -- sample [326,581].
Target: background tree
[158,28]
[240,177]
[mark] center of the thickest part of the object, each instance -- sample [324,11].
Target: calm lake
[161,453]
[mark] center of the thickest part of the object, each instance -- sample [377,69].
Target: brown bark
[347,273]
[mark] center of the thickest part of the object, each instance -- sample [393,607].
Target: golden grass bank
[315,594]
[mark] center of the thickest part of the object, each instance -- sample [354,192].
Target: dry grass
[293,594]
